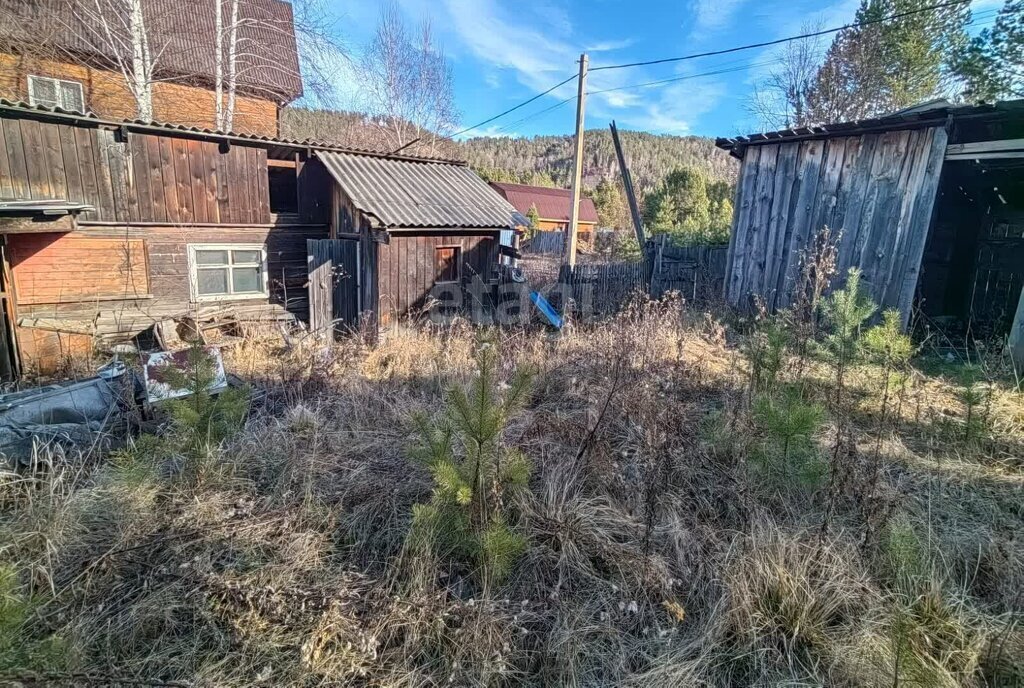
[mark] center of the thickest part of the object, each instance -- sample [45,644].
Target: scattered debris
[155,364]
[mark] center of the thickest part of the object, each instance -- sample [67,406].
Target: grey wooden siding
[877,190]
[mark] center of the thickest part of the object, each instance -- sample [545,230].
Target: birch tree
[781,99]
[117,29]
[408,83]
[241,59]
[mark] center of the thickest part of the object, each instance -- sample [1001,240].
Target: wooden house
[552,207]
[928,203]
[53,54]
[107,227]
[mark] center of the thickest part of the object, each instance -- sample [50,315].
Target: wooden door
[334,284]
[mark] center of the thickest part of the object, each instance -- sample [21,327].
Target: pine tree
[992,64]
[884,66]
[474,474]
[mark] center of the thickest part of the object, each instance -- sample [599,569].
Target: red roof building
[552,205]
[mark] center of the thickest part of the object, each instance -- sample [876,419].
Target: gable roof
[552,204]
[181,36]
[417,194]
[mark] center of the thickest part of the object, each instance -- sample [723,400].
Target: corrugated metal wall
[877,190]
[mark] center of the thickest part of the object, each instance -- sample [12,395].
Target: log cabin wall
[877,190]
[126,264]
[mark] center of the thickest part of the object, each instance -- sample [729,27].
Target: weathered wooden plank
[72,165]
[182,180]
[211,152]
[779,222]
[35,162]
[738,242]
[155,177]
[921,223]
[170,182]
[16,159]
[141,189]
[227,193]
[802,213]
[197,180]
[54,161]
[885,187]
[6,181]
[114,177]
[263,188]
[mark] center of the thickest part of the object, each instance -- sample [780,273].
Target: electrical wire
[779,41]
[513,109]
[649,84]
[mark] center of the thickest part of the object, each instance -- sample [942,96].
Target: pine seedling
[972,396]
[202,419]
[473,473]
[789,424]
[846,311]
[765,350]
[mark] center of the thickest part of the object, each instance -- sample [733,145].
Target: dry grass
[656,556]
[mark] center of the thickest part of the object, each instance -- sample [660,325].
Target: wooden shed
[108,227]
[407,234]
[928,202]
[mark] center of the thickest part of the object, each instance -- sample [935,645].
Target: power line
[779,41]
[513,109]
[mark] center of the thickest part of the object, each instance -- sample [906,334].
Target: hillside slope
[651,156]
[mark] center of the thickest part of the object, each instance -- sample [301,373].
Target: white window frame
[193,272]
[57,89]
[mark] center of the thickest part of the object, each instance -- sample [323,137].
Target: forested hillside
[541,159]
[651,157]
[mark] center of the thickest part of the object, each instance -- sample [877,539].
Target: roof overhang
[417,195]
[937,114]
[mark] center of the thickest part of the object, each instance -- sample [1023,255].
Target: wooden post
[627,181]
[577,167]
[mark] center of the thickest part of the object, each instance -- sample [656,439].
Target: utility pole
[577,166]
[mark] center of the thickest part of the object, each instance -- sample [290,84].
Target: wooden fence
[547,242]
[601,289]
[696,272]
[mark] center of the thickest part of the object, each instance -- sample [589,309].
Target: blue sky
[504,51]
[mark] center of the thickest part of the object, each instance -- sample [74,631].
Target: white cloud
[712,15]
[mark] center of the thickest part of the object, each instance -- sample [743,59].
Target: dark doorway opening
[973,266]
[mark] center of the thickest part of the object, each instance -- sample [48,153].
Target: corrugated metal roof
[416,194]
[23,109]
[552,204]
[927,114]
[181,32]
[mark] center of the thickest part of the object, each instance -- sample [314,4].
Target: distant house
[928,202]
[552,207]
[52,55]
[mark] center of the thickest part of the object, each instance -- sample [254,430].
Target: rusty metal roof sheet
[402,194]
[552,204]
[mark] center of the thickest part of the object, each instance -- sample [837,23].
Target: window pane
[71,96]
[213,281]
[247,280]
[42,91]
[211,257]
[446,262]
[246,257]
